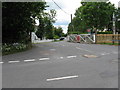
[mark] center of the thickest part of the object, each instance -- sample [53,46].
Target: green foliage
[56,37]
[78,32]
[19,19]
[13,48]
[45,28]
[58,31]
[94,15]
[107,32]
[117,14]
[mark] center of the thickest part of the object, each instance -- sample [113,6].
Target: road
[62,65]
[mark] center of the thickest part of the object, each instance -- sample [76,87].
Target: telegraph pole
[71,18]
[114,31]
[71,23]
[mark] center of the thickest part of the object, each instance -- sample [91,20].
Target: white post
[94,38]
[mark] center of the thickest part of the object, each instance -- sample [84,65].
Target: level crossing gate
[81,38]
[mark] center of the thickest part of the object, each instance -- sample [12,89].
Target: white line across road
[61,57]
[44,59]
[105,53]
[71,56]
[13,61]
[1,62]
[52,49]
[31,60]
[61,78]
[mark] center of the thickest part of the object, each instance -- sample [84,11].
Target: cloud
[68,6]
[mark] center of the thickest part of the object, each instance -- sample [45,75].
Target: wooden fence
[108,38]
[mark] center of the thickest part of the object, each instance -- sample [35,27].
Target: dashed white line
[71,56]
[105,53]
[44,58]
[102,54]
[61,57]
[13,61]
[1,62]
[61,78]
[52,49]
[29,60]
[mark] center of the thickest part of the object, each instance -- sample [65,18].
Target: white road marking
[83,49]
[78,48]
[52,49]
[90,56]
[13,61]
[61,57]
[102,54]
[44,58]
[71,56]
[105,53]
[1,62]
[29,60]
[61,78]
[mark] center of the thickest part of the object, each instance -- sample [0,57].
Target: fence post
[113,38]
[118,39]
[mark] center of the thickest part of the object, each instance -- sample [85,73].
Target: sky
[69,6]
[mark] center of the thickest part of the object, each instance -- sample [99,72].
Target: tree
[117,14]
[46,21]
[58,31]
[97,14]
[19,19]
[40,31]
[94,15]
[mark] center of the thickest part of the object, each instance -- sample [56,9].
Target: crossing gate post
[78,38]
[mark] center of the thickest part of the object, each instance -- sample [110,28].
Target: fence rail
[108,38]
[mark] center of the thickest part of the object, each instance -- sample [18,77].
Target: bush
[107,32]
[15,47]
[78,32]
[56,37]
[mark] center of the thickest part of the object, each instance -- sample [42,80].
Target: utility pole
[71,18]
[114,31]
[72,23]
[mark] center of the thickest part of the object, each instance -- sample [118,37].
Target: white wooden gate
[81,38]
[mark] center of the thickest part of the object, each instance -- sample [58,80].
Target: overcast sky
[68,6]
